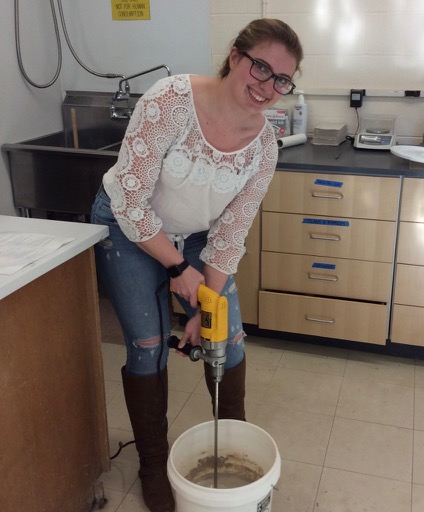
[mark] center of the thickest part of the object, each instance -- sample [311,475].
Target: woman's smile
[257,98]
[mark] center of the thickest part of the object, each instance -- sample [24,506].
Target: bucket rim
[272,475]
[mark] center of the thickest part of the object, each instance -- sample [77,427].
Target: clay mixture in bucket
[234,470]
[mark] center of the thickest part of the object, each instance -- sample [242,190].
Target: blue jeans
[138,289]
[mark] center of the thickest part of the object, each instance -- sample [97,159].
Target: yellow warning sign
[125,11]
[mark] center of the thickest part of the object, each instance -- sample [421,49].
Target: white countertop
[85,235]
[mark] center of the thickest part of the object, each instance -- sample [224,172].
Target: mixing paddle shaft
[215,460]
[213,341]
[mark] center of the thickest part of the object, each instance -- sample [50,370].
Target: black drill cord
[164,391]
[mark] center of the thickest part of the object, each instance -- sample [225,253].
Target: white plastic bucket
[234,437]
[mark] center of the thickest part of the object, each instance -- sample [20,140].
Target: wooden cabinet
[360,197]
[316,275]
[248,276]
[408,307]
[361,239]
[321,316]
[53,415]
[327,255]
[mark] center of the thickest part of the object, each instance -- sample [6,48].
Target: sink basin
[48,175]
[62,171]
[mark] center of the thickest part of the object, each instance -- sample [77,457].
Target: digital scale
[376,132]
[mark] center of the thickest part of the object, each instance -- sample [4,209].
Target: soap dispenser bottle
[300,115]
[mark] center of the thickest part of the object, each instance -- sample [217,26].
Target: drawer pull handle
[327,195]
[323,236]
[323,277]
[320,320]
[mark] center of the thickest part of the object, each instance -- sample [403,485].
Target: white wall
[178,35]
[377,45]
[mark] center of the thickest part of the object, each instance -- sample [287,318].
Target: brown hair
[261,30]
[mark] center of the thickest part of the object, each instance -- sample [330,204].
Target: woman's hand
[187,284]
[191,332]
[162,249]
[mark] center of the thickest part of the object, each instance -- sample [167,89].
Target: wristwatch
[177,270]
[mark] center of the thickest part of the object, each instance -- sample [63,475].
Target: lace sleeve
[226,238]
[158,119]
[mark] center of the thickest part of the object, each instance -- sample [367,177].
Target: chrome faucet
[125,110]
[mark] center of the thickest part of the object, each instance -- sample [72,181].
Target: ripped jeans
[138,289]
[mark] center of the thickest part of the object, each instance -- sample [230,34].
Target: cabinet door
[331,318]
[412,207]
[362,197]
[408,325]
[342,238]
[411,243]
[409,287]
[353,279]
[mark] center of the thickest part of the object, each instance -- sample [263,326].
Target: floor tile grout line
[367,474]
[329,439]
[413,436]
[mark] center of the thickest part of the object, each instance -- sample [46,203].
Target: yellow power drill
[213,329]
[213,341]
[213,332]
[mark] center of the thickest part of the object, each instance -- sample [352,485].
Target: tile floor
[349,425]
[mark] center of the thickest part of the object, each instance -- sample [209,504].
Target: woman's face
[254,95]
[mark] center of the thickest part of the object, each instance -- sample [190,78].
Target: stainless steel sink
[61,172]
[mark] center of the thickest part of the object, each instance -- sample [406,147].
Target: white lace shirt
[168,176]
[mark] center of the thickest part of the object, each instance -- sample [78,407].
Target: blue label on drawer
[326,222]
[327,266]
[329,183]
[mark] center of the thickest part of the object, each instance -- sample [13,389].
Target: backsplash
[349,44]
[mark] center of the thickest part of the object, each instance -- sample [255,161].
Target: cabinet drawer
[332,318]
[358,239]
[363,197]
[412,207]
[247,276]
[409,287]
[408,325]
[334,277]
[411,243]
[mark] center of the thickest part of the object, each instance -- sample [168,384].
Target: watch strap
[177,270]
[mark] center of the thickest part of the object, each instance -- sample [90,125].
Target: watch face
[177,270]
[174,271]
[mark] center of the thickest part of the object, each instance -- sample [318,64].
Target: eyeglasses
[263,73]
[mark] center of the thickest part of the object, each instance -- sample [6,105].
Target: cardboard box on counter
[280,120]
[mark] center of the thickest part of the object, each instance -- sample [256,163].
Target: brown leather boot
[231,392]
[147,399]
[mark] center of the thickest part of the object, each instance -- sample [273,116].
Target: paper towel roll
[291,140]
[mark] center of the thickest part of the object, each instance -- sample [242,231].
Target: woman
[195,163]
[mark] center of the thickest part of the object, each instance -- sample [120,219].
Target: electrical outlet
[356,97]
[413,94]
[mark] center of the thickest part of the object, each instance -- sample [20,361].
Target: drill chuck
[213,353]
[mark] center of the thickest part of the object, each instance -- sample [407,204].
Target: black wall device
[356,97]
